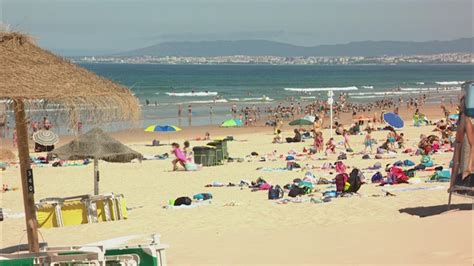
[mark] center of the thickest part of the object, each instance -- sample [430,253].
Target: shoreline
[138,136]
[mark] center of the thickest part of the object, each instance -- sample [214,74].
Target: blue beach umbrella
[162,128]
[394,120]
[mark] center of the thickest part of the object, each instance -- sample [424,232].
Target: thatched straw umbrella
[96,145]
[28,74]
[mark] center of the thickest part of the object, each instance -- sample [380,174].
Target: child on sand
[345,134]
[318,141]
[368,142]
[278,138]
[188,152]
[180,157]
[330,146]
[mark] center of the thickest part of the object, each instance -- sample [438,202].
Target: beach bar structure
[29,75]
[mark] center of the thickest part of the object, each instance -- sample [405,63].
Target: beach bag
[189,166]
[377,178]
[365,157]
[398,163]
[202,196]
[408,163]
[377,165]
[275,192]
[182,201]
[342,156]
[340,167]
[341,180]
[349,150]
[296,191]
[355,180]
[410,173]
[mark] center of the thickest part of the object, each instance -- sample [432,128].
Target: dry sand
[412,227]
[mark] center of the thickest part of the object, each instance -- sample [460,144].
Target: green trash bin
[219,151]
[205,155]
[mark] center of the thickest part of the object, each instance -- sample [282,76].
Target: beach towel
[202,196]
[269,169]
[441,176]
[397,175]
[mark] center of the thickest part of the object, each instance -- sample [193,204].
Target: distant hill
[262,47]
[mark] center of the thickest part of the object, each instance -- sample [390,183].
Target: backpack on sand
[355,180]
[377,178]
[182,201]
[275,192]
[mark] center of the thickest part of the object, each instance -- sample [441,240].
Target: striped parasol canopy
[45,137]
[162,128]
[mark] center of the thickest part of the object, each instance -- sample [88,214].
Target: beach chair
[150,253]
[461,191]
[55,256]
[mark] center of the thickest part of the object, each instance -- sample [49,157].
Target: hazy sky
[105,25]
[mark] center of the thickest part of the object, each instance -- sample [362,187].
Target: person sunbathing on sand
[180,157]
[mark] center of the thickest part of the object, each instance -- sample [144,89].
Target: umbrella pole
[28,192]
[96,177]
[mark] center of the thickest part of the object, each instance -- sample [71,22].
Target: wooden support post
[25,169]
[96,177]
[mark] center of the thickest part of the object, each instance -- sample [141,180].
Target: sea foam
[192,94]
[351,88]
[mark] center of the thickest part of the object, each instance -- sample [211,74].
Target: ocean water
[212,89]
[203,84]
[165,87]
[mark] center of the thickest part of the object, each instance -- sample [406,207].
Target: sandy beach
[412,227]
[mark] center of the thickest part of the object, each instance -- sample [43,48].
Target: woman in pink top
[180,157]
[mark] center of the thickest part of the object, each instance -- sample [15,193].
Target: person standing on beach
[15,139]
[3,124]
[368,142]
[345,134]
[234,111]
[180,110]
[190,115]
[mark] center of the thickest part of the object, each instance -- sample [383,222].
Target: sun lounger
[58,212]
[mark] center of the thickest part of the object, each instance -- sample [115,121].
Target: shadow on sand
[435,210]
